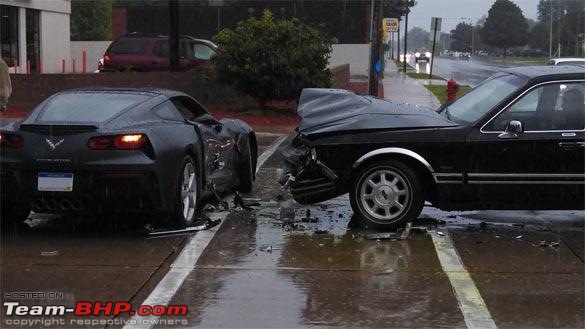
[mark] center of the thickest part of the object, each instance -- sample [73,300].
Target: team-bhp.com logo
[94,309]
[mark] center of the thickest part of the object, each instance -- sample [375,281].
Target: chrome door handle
[571,145]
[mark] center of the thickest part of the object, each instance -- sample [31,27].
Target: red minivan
[150,52]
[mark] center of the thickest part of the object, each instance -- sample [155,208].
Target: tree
[505,26]
[271,59]
[568,20]
[91,20]
[418,38]
[461,37]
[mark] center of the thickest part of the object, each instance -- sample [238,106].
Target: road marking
[471,304]
[269,151]
[166,289]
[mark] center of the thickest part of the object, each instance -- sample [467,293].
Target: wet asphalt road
[259,271]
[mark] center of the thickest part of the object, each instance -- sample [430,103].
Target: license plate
[55,182]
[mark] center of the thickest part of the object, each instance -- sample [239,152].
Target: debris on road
[519,237]
[50,253]
[268,248]
[239,202]
[399,234]
[440,233]
[385,272]
[209,223]
[544,243]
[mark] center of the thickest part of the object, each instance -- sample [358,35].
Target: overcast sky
[452,10]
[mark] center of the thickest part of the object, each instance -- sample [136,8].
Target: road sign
[436,23]
[390,25]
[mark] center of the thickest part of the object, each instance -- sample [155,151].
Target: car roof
[547,70]
[153,91]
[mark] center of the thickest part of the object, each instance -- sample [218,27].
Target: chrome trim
[501,182]
[394,150]
[457,178]
[520,96]
[525,175]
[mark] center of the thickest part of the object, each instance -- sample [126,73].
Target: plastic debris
[385,272]
[440,233]
[209,223]
[519,237]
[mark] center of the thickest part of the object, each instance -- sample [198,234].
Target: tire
[14,214]
[386,194]
[188,192]
[246,170]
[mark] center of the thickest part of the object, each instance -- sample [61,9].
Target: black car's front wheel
[386,194]
[187,195]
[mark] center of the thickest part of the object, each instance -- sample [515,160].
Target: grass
[441,93]
[425,76]
[512,59]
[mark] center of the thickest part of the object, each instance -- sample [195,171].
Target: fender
[395,150]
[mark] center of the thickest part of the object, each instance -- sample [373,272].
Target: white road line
[471,304]
[268,152]
[166,289]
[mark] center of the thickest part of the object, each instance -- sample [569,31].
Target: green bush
[272,59]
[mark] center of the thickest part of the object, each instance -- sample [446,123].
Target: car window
[190,109]
[168,111]
[129,46]
[481,99]
[161,49]
[202,51]
[557,106]
[87,107]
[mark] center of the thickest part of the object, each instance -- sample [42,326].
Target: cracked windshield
[292,164]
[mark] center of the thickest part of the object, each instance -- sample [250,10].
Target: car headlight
[416,55]
[428,54]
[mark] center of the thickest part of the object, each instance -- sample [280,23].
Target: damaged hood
[337,110]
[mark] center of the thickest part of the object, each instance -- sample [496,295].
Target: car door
[531,154]
[218,144]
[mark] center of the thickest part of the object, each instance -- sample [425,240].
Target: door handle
[571,145]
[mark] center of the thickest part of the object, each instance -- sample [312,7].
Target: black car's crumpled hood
[336,110]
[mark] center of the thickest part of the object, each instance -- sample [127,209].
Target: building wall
[356,55]
[59,6]
[55,44]
[54,32]
[94,50]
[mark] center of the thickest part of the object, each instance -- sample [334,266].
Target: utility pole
[405,35]
[551,31]
[174,34]
[375,47]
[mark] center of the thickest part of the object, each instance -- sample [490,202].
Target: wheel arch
[408,157]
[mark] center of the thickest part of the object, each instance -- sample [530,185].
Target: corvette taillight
[119,142]
[11,141]
[107,59]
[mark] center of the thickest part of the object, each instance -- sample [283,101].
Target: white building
[35,32]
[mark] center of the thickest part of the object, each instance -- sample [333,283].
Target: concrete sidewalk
[399,87]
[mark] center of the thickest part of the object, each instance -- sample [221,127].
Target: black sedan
[516,141]
[110,151]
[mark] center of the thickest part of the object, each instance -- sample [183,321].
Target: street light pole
[551,31]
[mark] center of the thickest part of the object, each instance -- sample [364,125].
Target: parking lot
[256,269]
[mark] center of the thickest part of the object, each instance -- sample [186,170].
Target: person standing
[5,85]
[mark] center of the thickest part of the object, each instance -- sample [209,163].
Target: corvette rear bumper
[120,191]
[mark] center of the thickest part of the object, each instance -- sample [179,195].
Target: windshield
[87,107]
[480,100]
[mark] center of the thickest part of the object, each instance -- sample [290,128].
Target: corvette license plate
[55,182]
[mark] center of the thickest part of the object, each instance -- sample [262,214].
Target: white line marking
[166,289]
[269,151]
[471,304]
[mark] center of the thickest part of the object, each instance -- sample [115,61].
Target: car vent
[57,129]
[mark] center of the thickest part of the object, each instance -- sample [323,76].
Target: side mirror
[513,129]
